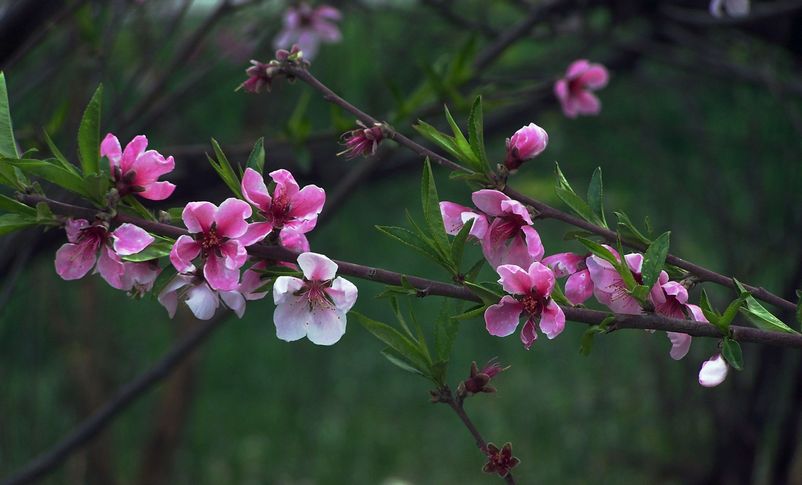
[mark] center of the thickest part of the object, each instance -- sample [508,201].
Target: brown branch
[428,287]
[544,210]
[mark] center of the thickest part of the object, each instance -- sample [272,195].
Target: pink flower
[219,236]
[93,243]
[713,371]
[531,294]
[525,144]
[455,216]
[290,210]
[672,301]
[579,286]
[201,299]
[308,27]
[608,286]
[135,170]
[362,141]
[315,306]
[510,238]
[734,8]
[138,278]
[575,90]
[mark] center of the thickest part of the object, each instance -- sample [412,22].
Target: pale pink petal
[635,262]
[675,289]
[480,225]
[713,371]
[564,264]
[307,203]
[284,38]
[110,148]
[157,191]
[317,267]
[234,254]
[515,252]
[74,227]
[293,240]
[111,268]
[73,261]
[139,277]
[327,31]
[587,103]
[284,289]
[255,233]
[542,279]
[309,42]
[230,218]
[252,281]
[576,68]
[514,279]
[452,216]
[579,287]
[343,293]
[255,190]
[516,210]
[326,327]
[134,148]
[202,301]
[533,245]
[680,344]
[234,301]
[199,216]
[502,318]
[552,320]
[183,252]
[130,239]
[696,313]
[328,12]
[595,77]
[168,297]
[292,317]
[220,277]
[528,334]
[489,201]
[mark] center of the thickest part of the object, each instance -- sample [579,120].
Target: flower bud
[362,141]
[258,78]
[525,144]
[479,380]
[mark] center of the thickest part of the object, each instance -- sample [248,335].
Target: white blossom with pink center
[315,306]
[530,294]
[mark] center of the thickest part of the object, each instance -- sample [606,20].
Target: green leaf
[44,215]
[398,360]
[59,156]
[761,317]
[430,202]
[586,341]
[488,296]
[731,350]
[628,231]
[473,273]
[52,172]
[138,208]
[407,348]
[256,160]
[14,222]
[223,168]
[567,195]
[7,204]
[440,139]
[558,296]
[89,135]
[466,152]
[8,146]
[707,309]
[596,196]
[157,249]
[415,241]
[445,332]
[476,135]
[654,258]
[476,311]
[728,316]
[458,244]
[599,250]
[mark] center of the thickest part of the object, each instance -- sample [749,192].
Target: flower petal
[343,293]
[168,297]
[199,216]
[157,191]
[286,186]
[294,240]
[234,254]
[564,264]
[542,279]
[183,252]
[255,190]
[326,327]
[285,287]
[230,218]
[514,279]
[502,318]
[130,239]
[74,228]
[110,148]
[256,232]
[579,287]
[218,275]
[110,267]
[452,216]
[713,371]
[552,320]
[528,334]
[291,317]
[73,261]
[680,344]
[235,301]
[595,77]
[151,165]
[317,267]
[134,148]
[202,301]
[489,201]
[307,203]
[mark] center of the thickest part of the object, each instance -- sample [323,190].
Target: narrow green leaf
[488,296]
[404,346]
[567,195]
[440,139]
[59,156]
[256,160]
[414,241]
[476,135]
[729,313]
[473,273]
[157,249]
[9,205]
[707,309]
[458,244]
[731,350]
[223,168]
[14,222]
[596,196]
[628,231]
[761,317]
[43,214]
[8,146]
[51,171]
[464,147]
[89,134]
[430,203]
[138,209]
[654,258]
[476,311]
[398,360]
[598,250]
[445,332]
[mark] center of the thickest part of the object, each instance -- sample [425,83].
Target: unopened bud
[525,144]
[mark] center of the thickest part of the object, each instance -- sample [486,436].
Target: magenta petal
[134,148]
[111,268]
[502,318]
[563,264]
[452,216]
[293,240]
[183,252]
[199,216]
[542,279]
[516,211]
[219,276]
[327,32]
[73,261]
[110,148]
[514,279]
[157,191]
[286,186]
[255,233]
[587,103]
[489,201]
[130,239]
[579,287]
[595,77]
[675,289]
[234,254]
[151,165]
[552,320]
[680,344]
[528,334]
[328,12]
[255,190]
[74,227]
[230,218]
[533,245]
[577,68]
[308,202]
[317,267]
[696,313]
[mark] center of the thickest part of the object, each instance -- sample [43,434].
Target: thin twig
[544,210]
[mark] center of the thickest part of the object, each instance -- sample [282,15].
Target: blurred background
[700,131]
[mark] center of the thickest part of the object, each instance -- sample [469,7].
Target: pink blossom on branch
[575,90]
[94,243]
[219,237]
[136,170]
[608,285]
[525,144]
[309,26]
[672,301]
[530,294]
[579,285]
[510,237]
[315,306]
[291,211]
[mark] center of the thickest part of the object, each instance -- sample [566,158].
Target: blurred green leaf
[53,173]
[13,206]
[476,311]
[404,347]
[256,160]
[566,193]
[445,332]
[731,350]
[415,241]
[89,134]
[8,145]
[223,168]
[596,196]
[476,136]
[654,258]
[397,359]
[14,222]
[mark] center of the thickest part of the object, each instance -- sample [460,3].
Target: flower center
[279,211]
[575,86]
[210,240]
[532,304]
